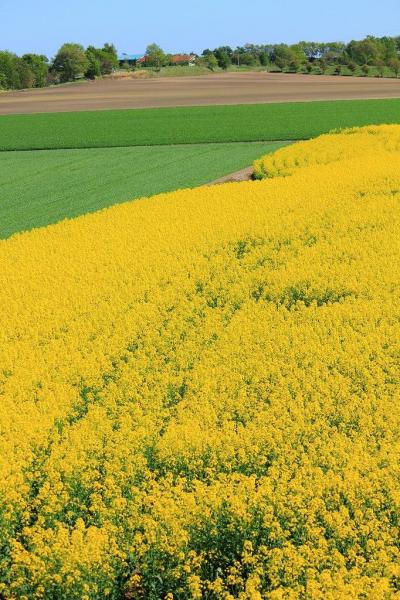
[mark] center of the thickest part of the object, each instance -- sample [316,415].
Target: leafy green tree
[223,50]
[288,57]
[298,54]
[263,58]
[332,52]
[252,51]
[108,59]
[26,77]
[352,66]
[365,70]
[282,56]
[210,61]
[223,61]
[394,64]
[102,61]
[248,59]
[70,62]
[8,72]
[224,55]
[111,50]
[15,73]
[323,65]
[237,58]
[39,65]
[389,50]
[94,67]
[338,69]
[380,64]
[367,51]
[294,64]
[241,57]
[155,56]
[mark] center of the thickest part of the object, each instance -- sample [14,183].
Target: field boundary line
[4,150]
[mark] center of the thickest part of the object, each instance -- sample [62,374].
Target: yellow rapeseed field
[200,391]
[332,147]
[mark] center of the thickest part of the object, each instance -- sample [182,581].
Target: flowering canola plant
[328,148]
[200,391]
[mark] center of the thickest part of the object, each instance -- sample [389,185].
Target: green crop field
[42,187]
[61,165]
[238,123]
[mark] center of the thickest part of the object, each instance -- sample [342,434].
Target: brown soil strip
[242,175]
[218,88]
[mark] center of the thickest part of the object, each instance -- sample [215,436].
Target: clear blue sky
[43,25]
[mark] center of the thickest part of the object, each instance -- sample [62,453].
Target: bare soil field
[221,88]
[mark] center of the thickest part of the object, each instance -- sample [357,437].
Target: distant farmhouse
[130,59]
[173,59]
[182,59]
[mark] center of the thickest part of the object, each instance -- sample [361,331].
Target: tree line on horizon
[73,61]
[370,51]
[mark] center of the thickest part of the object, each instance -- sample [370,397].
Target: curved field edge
[329,148]
[258,122]
[42,187]
[201,394]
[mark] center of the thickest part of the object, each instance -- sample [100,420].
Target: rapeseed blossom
[200,391]
[328,148]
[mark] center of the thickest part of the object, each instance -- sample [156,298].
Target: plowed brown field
[224,88]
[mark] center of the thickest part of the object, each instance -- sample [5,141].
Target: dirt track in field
[221,88]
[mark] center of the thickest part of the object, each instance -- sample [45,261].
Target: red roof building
[173,59]
[181,59]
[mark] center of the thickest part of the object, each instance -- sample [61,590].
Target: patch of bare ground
[218,88]
[236,177]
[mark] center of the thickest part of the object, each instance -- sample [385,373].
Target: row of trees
[71,61]
[23,72]
[371,51]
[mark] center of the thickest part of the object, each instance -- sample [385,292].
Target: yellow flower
[200,391]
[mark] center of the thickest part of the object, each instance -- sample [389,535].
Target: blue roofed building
[129,58]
